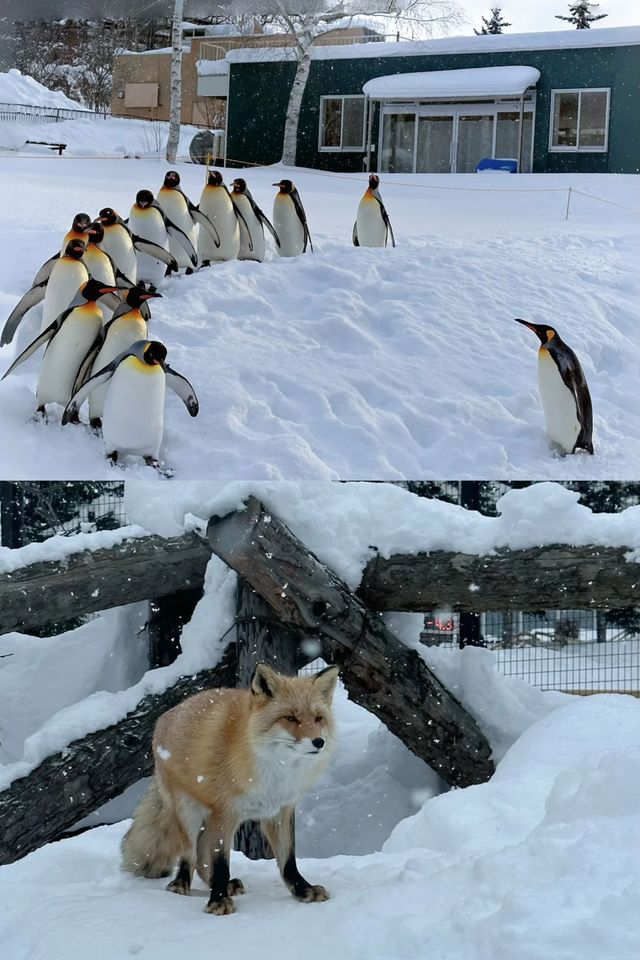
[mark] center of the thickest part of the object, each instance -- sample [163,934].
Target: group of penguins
[96,292]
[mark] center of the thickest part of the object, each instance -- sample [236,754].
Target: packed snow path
[354,362]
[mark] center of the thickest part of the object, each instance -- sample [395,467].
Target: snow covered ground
[353,362]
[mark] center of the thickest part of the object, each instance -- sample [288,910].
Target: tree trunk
[176,82]
[290,141]
[379,672]
[40,807]
[261,636]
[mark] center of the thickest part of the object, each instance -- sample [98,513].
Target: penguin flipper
[32,297]
[354,235]
[44,272]
[79,397]
[264,220]
[88,360]
[41,339]
[179,235]
[126,283]
[240,216]
[183,388]
[154,250]
[203,220]
[111,300]
[387,222]
[302,217]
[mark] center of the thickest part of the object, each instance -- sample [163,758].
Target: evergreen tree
[581,14]
[494,25]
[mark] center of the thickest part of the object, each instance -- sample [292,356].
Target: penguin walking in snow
[218,206]
[127,326]
[133,416]
[177,206]
[68,338]
[252,223]
[290,221]
[565,396]
[57,291]
[148,222]
[372,227]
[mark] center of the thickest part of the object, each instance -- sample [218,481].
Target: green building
[559,102]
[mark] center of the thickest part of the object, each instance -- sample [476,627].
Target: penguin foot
[113,456]
[206,263]
[40,416]
[188,271]
[96,424]
[162,470]
[73,417]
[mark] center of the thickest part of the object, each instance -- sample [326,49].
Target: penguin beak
[108,290]
[525,323]
[149,296]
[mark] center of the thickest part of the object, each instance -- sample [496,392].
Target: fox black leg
[280,832]
[220,901]
[182,882]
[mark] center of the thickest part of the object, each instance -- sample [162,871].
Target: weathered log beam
[541,578]
[139,569]
[41,806]
[379,672]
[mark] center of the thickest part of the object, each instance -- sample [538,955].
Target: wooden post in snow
[379,672]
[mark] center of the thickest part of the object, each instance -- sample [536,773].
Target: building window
[342,123]
[579,120]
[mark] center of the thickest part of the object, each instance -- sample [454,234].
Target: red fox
[225,756]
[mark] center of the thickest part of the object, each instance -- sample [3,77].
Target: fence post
[566,216]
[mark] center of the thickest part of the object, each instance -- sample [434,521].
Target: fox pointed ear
[325,682]
[264,681]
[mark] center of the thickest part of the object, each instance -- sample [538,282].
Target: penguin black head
[214,178]
[75,249]
[374,181]
[80,222]
[239,185]
[154,352]
[543,331]
[286,186]
[95,231]
[135,296]
[144,198]
[172,179]
[108,216]
[92,289]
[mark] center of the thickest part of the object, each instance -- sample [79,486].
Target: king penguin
[252,223]
[372,227]
[218,206]
[133,417]
[68,338]
[57,291]
[128,324]
[177,206]
[290,221]
[78,231]
[565,396]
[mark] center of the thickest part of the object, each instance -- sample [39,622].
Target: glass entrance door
[475,141]
[435,139]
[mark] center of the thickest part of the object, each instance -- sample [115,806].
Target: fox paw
[313,894]
[220,907]
[234,887]
[179,886]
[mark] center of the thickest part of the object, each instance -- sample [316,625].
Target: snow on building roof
[212,68]
[441,84]
[485,43]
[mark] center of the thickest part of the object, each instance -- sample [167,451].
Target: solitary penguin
[68,338]
[133,416]
[290,221]
[218,206]
[128,324]
[372,227]
[565,396]
[252,223]
[148,222]
[57,290]
[177,206]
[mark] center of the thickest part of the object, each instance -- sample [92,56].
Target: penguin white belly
[175,208]
[121,335]
[254,228]
[558,403]
[65,353]
[216,204]
[100,268]
[149,225]
[133,416]
[371,228]
[117,244]
[64,282]
[288,227]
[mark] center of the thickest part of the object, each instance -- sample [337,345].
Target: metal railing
[35,114]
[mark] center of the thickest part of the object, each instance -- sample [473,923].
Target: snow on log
[379,672]
[41,806]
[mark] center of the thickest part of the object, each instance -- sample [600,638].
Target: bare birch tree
[176,82]
[306,20]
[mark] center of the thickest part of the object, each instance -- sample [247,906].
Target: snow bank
[16,87]
[347,524]
[59,547]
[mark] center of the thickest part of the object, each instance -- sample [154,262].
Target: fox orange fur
[225,756]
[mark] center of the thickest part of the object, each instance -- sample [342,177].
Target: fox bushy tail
[152,843]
